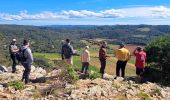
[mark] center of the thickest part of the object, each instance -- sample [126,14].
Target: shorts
[69,61]
[139,71]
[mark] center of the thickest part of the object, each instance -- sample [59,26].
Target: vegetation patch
[143,96]
[93,74]
[158,57]
[18,85]
[41,61]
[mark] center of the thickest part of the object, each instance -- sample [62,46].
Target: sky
[85,12]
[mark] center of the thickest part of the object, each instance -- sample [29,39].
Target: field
[95,64]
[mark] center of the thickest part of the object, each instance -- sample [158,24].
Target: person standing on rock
[27,61]
[123,55]
[13,49]
[102,58]
[140,62]
[85,59]
[67,52]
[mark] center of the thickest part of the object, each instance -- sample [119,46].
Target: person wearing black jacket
[102,58]
[67,52]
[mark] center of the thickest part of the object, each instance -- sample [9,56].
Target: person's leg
[23,76]
[86,67]
[14,63]
[102,68]
[141,74]
[83,66]
[123,66]
[27,72]
[118,64]
[24,73]
[69,61]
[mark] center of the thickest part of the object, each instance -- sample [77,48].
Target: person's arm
[62,53]
[89,56]
[72,50]
[134,52]
[81,56]
[13,50]
[129,56]
[28,55]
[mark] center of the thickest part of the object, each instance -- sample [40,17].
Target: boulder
[1,88]
[3,68]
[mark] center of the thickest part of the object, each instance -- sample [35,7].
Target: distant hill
[48,38]
[69,26]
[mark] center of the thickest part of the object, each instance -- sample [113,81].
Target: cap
[14,40]
[122,44]
[86,47]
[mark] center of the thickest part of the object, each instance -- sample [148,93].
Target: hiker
[102,58]
[140,62]
[123,55]
[85,59]
[13,49]
[27,60]
[67,52]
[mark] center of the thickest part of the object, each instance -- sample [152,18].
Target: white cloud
[23,15]
[154,12]
[86,14]
[160,11]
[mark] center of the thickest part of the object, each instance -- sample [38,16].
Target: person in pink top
[85,59]
[140,62]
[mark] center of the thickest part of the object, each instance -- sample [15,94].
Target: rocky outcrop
[118,90]
[3,69]
[48,86]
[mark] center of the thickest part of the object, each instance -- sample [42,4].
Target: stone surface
[3,68]
[97,89]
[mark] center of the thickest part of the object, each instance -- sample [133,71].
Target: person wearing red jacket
[140,62]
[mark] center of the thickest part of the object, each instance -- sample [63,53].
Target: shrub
[94,74]
[144,96]
[68,73]
[72,73]
[41,62]
[4,58]
[18,85]
[158,56]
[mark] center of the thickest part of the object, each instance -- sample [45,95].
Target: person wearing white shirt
[85,59]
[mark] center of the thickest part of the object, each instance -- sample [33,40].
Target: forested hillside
[48,38]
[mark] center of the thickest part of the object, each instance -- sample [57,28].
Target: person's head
[67,40]
[104,43]
[14,41]
[26,43]
[121,45]
[86,47]
[139,49]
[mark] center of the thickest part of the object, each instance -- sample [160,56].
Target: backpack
[20,55]
[67,51]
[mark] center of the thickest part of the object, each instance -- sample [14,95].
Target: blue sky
[85,12]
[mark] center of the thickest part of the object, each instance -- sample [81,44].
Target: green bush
[18,85]
[94,74]
[4,58]
[158,56]
[68,72]
[41,62]
[144,96]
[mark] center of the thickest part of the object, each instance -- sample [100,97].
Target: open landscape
[38,38]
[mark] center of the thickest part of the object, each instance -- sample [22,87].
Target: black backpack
[20,55]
